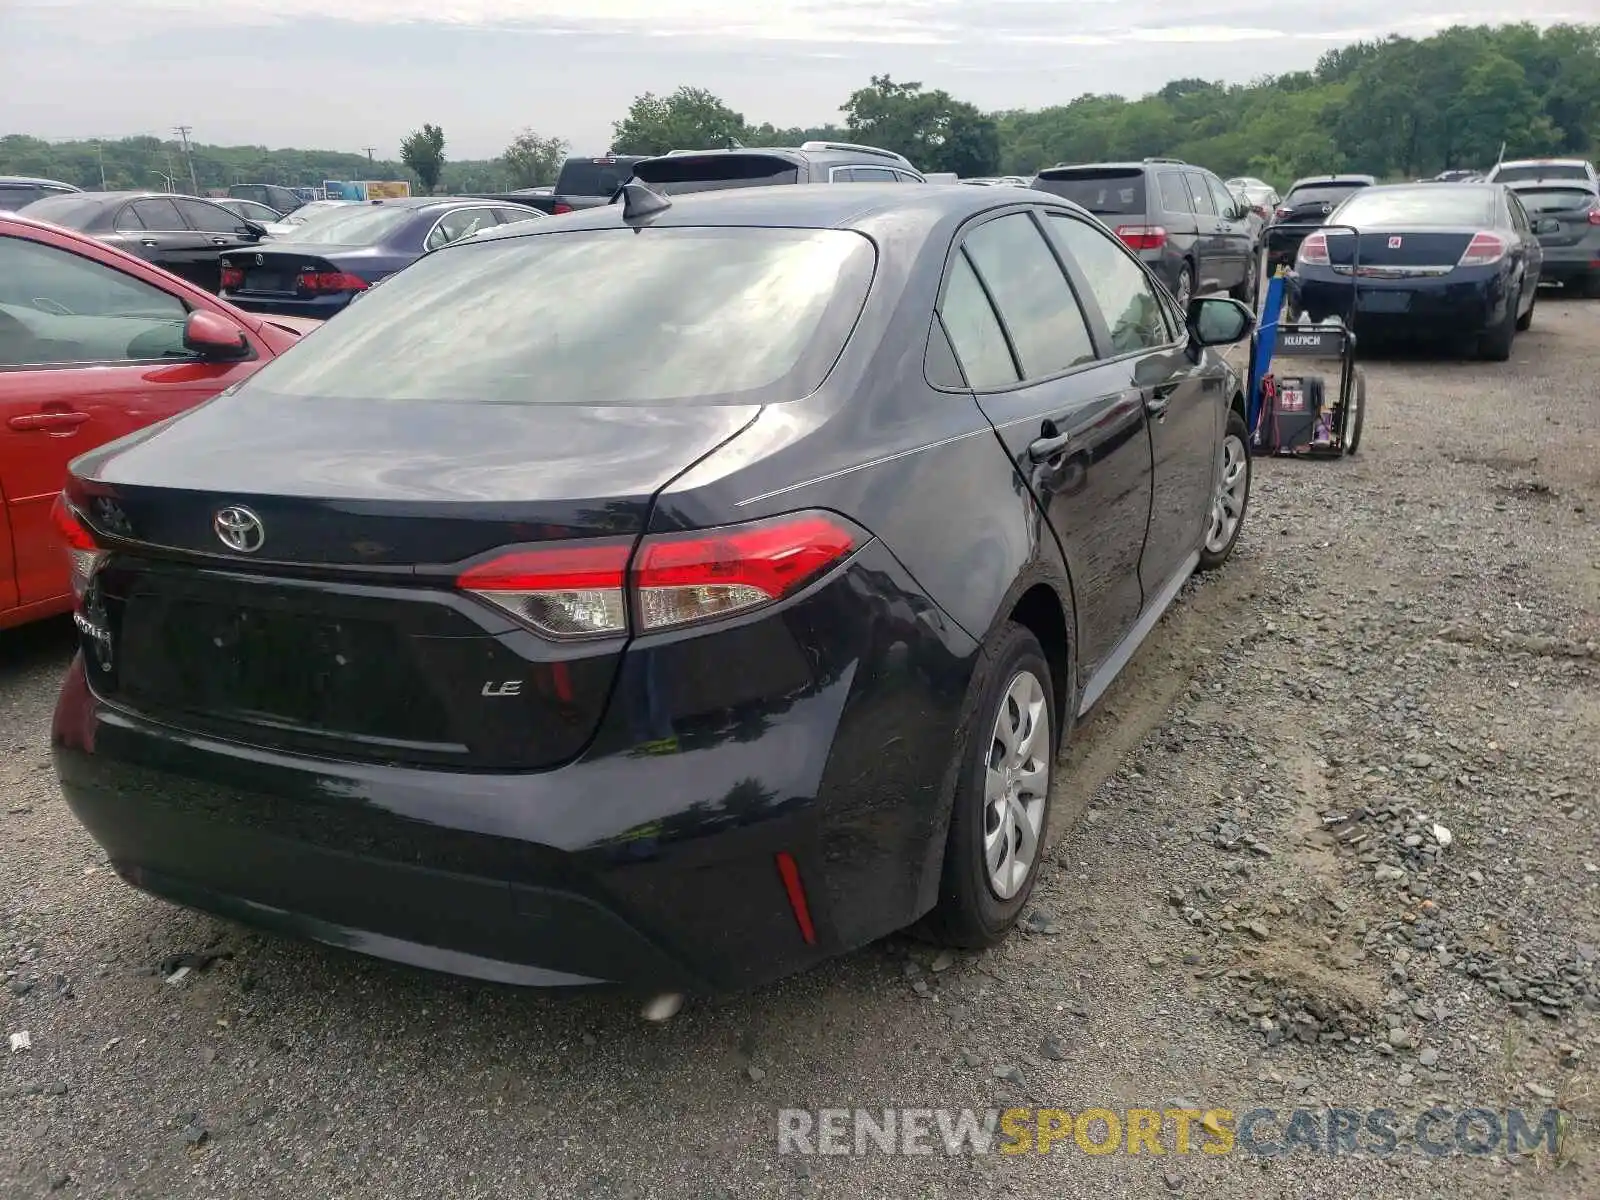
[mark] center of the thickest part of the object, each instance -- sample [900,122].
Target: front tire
[999,824]
[1230,495]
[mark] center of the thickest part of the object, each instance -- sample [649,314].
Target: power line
[183,132]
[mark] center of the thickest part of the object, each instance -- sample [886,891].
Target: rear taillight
[232,277]
[1594,215]
[323,282]
[83,555]
[580,590]
[1284,211]
[558,208]
[1314,250]
[1484,250]
[1142,237]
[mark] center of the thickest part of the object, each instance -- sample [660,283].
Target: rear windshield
[1322,193]
[592,177]
[603,316]
[359,226]
[1097,190]
[1556,199]
[1462,204]
[1540,171]
[72,210]
[713,172]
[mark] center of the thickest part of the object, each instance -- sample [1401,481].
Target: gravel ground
[1331,841]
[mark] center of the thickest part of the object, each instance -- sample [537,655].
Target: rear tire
[1245,292]
[1591,285]
[997,789]
[1495,345]
[1526,320]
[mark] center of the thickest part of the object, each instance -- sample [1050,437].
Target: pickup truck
[583,183]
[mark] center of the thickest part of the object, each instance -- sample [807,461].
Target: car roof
[1116,166]
[37,179]
[834,152]
[1316,180]
[802,206]
[1545,162]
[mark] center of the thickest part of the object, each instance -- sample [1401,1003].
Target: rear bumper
[1562,263]
[649,862]
[1465,301]
[317,308]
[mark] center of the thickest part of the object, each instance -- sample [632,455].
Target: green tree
[688,119]
[932,129]
[533,161]
[423,152]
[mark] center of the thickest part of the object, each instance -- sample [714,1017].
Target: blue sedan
[341,255]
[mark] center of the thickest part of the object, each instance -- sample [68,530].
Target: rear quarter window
[596,317]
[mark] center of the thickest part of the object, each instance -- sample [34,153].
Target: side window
[128,220]
[1129,301]
[1519,215]
[208,218]
[459,224]
[907,177]
[873,175]
[1031,291]
[510,216]
[1203,203]
[1174,196]
[159,216]
[61,307]
[1220,196]
[974,329]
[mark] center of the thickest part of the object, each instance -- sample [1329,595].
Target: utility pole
[100,152]
[369,150]
[183,132]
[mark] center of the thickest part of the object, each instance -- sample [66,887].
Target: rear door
[1186,402]
[155,230]
[457,224]
[87,354]
[1212,245]
[220,230]
[1074,426]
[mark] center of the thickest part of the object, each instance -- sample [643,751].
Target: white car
[1545,170]
[310,211]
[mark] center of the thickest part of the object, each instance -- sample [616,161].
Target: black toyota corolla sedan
[672,595]
[1460,262]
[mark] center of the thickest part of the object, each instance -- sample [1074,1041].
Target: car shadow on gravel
[39,644]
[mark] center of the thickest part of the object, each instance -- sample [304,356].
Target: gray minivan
[1192,232]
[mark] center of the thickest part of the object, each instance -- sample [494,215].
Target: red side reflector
[789,872]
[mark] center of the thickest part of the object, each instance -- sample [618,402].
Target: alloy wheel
[1227,502]
[1016,785]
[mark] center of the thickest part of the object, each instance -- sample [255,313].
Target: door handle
[1157,399]
[48,420]
[1043,449]
[151,242]
[219,241]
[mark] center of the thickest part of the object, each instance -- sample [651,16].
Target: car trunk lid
[301,587]
[1574,208]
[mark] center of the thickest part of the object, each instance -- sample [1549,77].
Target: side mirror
[1218,321]
[251,230]
[214,337]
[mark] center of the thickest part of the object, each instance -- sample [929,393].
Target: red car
[95,343]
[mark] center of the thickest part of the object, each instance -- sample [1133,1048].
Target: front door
[154,229]
[219,230]
[87,354]
[1185,402]
[1072,425]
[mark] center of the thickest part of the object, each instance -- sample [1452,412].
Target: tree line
[1395,107]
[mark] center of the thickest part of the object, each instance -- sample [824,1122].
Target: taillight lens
[330,281]
[83,555]
[558,208]
[232,277]
[1142,237]
[1314,250]
[570,591]
[585,590]
[683,578]
[1484,250]
[1284,211]
[1594,215]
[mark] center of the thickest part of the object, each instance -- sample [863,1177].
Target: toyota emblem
[239,529]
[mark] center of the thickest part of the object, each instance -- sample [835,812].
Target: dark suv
[1182,220]
[811,162]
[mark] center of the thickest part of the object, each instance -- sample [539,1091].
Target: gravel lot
[1248,905]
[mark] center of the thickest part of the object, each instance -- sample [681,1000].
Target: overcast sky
[283,73]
